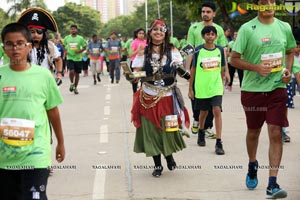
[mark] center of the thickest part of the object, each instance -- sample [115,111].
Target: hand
[264,69]
[286,76]
[58,81]
[60,152]
[191,94]
[227,77]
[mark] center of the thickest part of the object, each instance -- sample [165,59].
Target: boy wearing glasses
[28,98]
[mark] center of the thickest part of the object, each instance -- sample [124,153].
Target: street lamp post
[296,5]
[146,15]
[171,16]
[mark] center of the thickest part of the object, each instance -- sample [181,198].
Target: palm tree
[19,5]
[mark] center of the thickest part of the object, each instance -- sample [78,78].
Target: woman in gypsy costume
[158,110]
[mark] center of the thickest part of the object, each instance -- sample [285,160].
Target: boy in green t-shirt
[206,83]
[29,97]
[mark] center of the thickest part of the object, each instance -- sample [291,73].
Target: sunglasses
[37,31]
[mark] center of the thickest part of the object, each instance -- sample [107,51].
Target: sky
[51,4]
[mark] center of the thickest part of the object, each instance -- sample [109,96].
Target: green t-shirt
[194,35]
[183,43]
[258,43]
[296,66]
[175,42]
[3,56]
[72,44]
[230,45]
[128,46]
[24,99]
[208,79]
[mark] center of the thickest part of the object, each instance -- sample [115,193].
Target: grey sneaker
[72,86]
[76,91]
[219,149]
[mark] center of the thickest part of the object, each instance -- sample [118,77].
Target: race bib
[95,51]
[210,64]
[16,132]
[114,49]
[273,59]
[171,123]
[73,46]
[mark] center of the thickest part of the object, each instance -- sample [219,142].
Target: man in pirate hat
[44,52]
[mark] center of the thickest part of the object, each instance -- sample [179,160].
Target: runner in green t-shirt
[3,57]
[266,44]
[206,83]
[29,97]
[208,12]
[75,45]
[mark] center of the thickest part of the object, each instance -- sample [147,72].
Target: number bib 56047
[16,132]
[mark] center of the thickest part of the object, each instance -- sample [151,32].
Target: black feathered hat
[38,18]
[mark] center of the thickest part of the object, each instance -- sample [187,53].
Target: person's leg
[10,185]
[241,75]
[98,69]
[171,162]
[134,86]
[78,67]
[71,68]
[35,183]
[101,64]
[196,114]
[201,133]
[158,167]
[112,70]
[118,72]
[231,73]
[93,70]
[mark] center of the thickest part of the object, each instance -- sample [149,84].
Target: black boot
[201,138]
[157,168]
[171,162]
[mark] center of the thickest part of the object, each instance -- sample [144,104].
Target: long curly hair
[166,46]
[42,49]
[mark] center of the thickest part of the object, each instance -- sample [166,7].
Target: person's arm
[289,60]
[59,70]
[191,83]
[54,118]
[263,69]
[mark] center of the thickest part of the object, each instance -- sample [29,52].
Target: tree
[4,19]
[87,19]
[20,5]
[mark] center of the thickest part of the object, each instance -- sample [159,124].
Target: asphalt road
[100,162]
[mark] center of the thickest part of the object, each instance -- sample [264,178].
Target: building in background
[110,9]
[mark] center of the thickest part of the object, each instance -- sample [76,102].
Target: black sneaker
[275,192]
[76,91]
[98,77]
[219,149]
[285,137]
[95,82]
[171,163]
[157,171]
[201,138]
[72,87]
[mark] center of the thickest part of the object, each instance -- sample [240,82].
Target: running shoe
[275,192]
[285,137]
[98,77]
[210,134]
[219,149]
[95,82]
[201,138]
[157,171]
[195,127]
[72,86]
[76,91]
[184,132]
[251,180]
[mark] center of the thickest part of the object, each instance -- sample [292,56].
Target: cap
[38,18]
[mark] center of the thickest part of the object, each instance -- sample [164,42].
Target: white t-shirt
[45,61]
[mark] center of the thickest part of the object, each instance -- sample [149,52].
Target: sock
[218,141]
[272,180]
[252,168]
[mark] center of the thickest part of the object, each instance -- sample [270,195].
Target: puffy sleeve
[176,57]
[138,62]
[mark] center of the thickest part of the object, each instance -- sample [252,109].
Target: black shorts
[205,104]
[23,184]
[74,65]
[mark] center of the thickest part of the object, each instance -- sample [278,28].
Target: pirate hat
[38,18]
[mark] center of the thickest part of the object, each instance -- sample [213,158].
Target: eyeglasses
[18,45]
[37,31]
[162,29]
